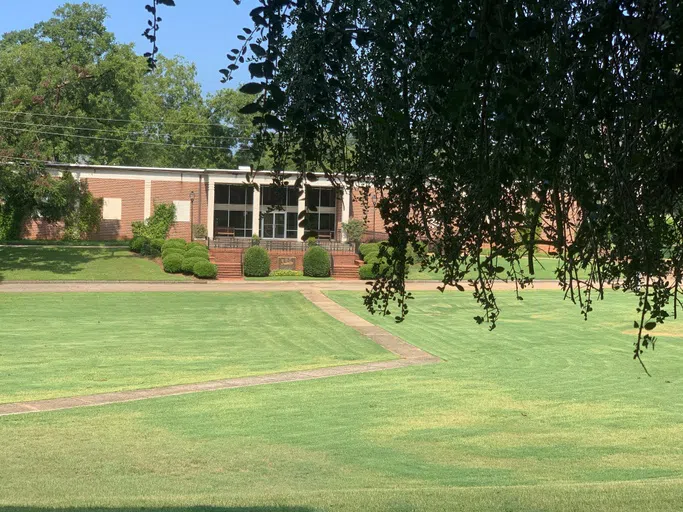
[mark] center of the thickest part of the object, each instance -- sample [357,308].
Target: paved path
[409,355]
[226,286]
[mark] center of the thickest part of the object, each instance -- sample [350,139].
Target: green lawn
[56,345]
[288,278]
[96,264]
[544,268]
[545,413]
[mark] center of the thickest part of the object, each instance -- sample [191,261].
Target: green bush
[136,244]
[256,262]
[173,263]
[189,263]
[158,225]
[175,242]
[157,244]
[285,273]
[368,248]
[200,232]
[255,239]
[311,241]
[205,270]
[367,271]
[354,230]
[172,250]
[196,252]
[317,262]
[199,245]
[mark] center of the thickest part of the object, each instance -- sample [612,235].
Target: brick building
[217,199]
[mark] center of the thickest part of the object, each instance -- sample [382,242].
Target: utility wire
[113,139]
[105,130]
[118,120]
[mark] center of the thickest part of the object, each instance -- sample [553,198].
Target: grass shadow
[62,261]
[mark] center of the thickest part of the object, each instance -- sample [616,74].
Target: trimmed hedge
[196,252]
[177,243]
[196,244]
[189,263]
[173,263]
[285,273]
[317,262]
[366,271]
[205,270]
[172,250]
[256,262]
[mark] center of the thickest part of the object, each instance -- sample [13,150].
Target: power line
[113,139]
[105,130]
[120,120]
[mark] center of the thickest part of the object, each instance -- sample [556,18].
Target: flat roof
[132,168]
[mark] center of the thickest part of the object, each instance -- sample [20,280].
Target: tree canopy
[492,129]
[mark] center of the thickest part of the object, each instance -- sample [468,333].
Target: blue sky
[202,31]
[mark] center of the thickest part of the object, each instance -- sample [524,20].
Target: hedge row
[317,262]
[193,258]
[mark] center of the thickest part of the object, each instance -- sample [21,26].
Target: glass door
[273,225]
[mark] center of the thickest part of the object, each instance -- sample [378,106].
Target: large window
[233,215]
[321,224]
[279,196]
[234,194]
[321,197]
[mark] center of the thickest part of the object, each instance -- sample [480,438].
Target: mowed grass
[62,263]
[544,268]
[545,413]
[56,345]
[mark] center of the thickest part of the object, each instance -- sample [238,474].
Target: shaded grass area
[56,345]
[61,263]
[547,412]
[544,268]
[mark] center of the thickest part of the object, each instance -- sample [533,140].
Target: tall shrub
[256,262]
[317,262]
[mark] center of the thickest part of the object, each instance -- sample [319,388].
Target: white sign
[182,211]
[111,208]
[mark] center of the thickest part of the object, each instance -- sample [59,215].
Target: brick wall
[373,220]
[132,195]
[169,191]
[38,229]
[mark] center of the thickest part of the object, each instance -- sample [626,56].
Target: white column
[301,207]
[346,210]
[210,206]
[148,198]
[256,216]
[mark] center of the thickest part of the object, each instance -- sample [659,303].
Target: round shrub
[367,271]
[172,250]
[158,244]
[196,252]
[136,243]
[317,262]
[205,270]
[173,263]
[177,243]
[188,264]
[196,244]
[256,262]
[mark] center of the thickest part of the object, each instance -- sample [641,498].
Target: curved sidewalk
[409,355]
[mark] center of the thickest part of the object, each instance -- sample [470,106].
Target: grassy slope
[97,264]
[547,412]
[69,344]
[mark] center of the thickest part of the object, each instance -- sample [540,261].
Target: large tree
[492,128]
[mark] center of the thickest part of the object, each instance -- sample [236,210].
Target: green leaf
[635,324]
[258,50]
[650,325]
[250,108]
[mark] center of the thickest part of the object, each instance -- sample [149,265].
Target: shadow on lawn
[50,259]
[160,509]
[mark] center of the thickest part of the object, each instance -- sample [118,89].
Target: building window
[240,222]
[279,196]
[321,224]
[321,197]
[233,194]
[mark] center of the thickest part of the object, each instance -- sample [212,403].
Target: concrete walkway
[408,355]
